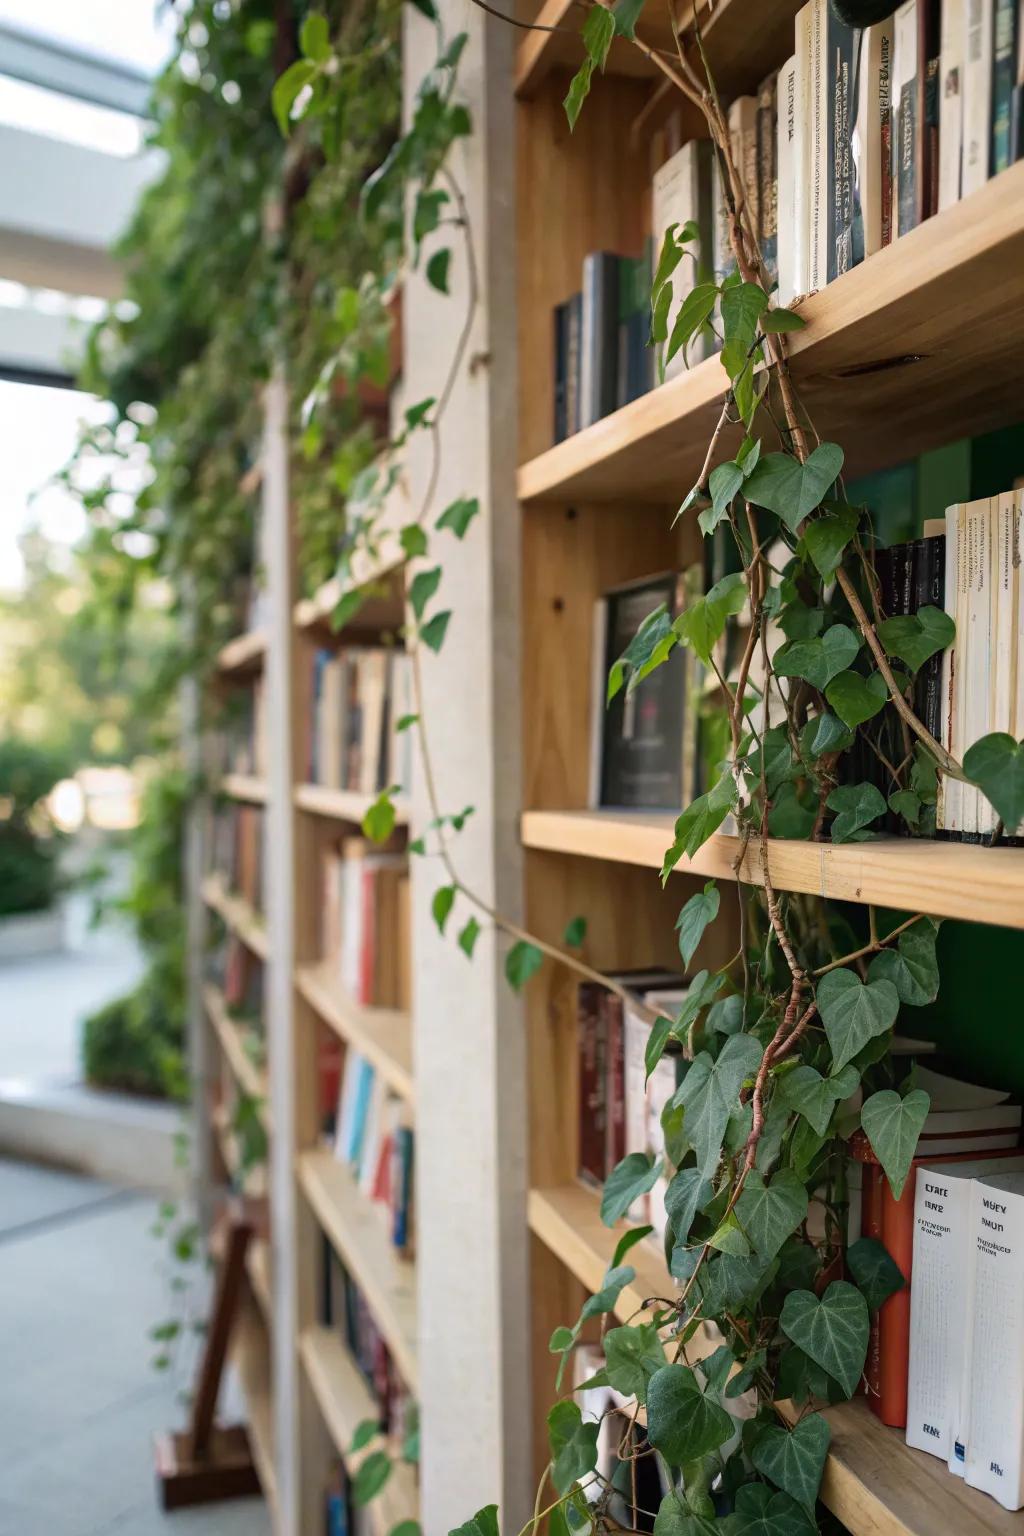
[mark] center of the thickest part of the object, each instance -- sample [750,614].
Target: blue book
[364,1082]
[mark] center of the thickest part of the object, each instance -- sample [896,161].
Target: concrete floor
[81,1283]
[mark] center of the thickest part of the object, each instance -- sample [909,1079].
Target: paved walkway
[81,1284]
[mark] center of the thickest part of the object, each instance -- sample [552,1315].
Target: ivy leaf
[458,515]
[694,312]
[723,483]
[405,723]
[615,1281]
[789,816]
[598,31]
[687,1193]
[818,658]
[775,755]
[760,1512]
[774,321]
[522,961]
[770,1211]
[702,623]
[856,805]
[916,637]
[434,630]
[743,304]
[877,1275]
[632,1355]
[698,912]
[468,937]
[833,1330]
[911,966]
[575,932]
[729,1237]
[830,735]
[346,608]
[906,804]
[674,1518]
[643,652]
[826,538]
[379,820]
[437,270]
[855,698]
[794,1459]
[422,588]
[485,1521]
[573,1445]
[854,1012]
[441,906]
[996,765]
[701,819]
[626,14]
[314,39]
[427,213]
[682,1423]
[815,1097]
[790,489]
[413,541]
[892,1126]
[637,1173]
[710,1092]
[286,89]
[627,1241]
[370,1477]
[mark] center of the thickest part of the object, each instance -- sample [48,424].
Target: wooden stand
[209,1462]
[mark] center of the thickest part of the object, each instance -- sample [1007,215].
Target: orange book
[871,1226]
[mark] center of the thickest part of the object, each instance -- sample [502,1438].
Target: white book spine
[1017,535]
[635,1033]
[870,135]
[817,219]
[978,815]
[995,1411]
[951,101]
[977,105]
[938,1307]
[1004,624]
[802,154]
[786,155]
[948,808]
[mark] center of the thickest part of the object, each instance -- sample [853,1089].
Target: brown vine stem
[872,948]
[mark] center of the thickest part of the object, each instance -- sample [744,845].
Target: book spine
[870,142]
[871,1226]
[1016,557]
[768,174]
[947,815]
[906,120]
[894,1314]
[615,1090]
[592,1122]
[928,107]
[841,43]
[995,1414]
[1002,712]
[977,94]
[561,330]
[1003,70]
[785,159]
[979,819]
[573,380]
[931,592]
[938,1304]
[951,102]
[802,108]
[818,111]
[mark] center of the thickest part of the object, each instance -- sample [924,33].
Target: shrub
[29,843]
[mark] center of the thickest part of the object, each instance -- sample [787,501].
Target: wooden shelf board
[255,1184]
[257,1267]
[345,1401]
[343,804]
[916,345]
[244,653]
[874,1483]
[382,1035]
[244,786]
[977,884]
[358,1234]
[539,52]
[242,919]
[250,1355]
[250,1078]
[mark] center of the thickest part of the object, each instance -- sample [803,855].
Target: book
[994,1372]
[906,103]
[743,138]
[768,175]
[788,231]
[1017,94]
[804,120]
[817,114]
[928,54]
[560,318]
[1004,76]
[929,591]
[977,105]
[599,336]
[635,375]
[977,585]
[871,142]
[951,101]
[839,103]
[681,193]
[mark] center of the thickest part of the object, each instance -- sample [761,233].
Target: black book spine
[561,330]
[932,588]
[574,330]
[842,47]
[1004,51]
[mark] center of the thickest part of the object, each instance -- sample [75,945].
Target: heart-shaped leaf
[760,1512]
[794,1459]
[892,1126]
[826,538]
[792,815]
[996,765]
[815,1097]
[827,734]
[701,819]
[911,966]
[682,1423]
[702,623]
[635,661]
[675,1518]
[698,912]
[632,1355]
[833,1330]
[687,1193]
[915,637]
[710,1094]
[573,1445]
[769,1211]
[856,806]
[877,1274]
[776,756]
[743,304]
[790,489]
[818,659]
[694,311]
[855,698]
[854,1012]
[633,1176]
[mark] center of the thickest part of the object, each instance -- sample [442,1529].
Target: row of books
[365,922]
[373,1137]
[236,849]
[601,356]
[239,974]
[244,732]
[357,699]
[345,1309]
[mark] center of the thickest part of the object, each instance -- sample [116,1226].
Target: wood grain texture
[382,1035]
[541,52]
[244,786]
[346,805]
[931,324]
[237,914]
[251,1078]
[977,884]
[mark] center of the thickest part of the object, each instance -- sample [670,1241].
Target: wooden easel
[207,1461]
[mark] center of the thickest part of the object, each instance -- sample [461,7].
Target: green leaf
[830,735]
[437,269]
[639,657]
[856,806]
[598,31]
[698,912]
[760,1512]
[728,1237]
[892,1126]
[682,1423]
[346,608]
[996,765]
[406,1527]
[441,906]
[826,538]
[710,1094]
[790,489]
[769,1211]
[626,14]
[699,821]
[627,1241]
[686,1194]
[632,1355]
[485,1521]
[286,89]
[674,1518]
[573,1445]
[702,623]
[561,1340]
[458,515]
[365,1431]
[615,1281]
[794,1459]
[405,723]
[915,637]
[815,1097]
[637,1173]
[854,1012]
[468,936]
[522,961]
[743,304]
[855,698]
[413,541]
[427,213]
[723,483]
[911,966]
[694,312]
[819,658]
[422,588]
[775,755]
[370,1477]
[774,321]
[417,415]
[379,820]
[877,1275]
[434,630]
[906,804]
[314,39]
[671,255]
[661,302]
[791,815]
[833,1330]
[575,932]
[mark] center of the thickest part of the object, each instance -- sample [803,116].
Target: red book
[871,1226]
[615,1072]
[590,1026]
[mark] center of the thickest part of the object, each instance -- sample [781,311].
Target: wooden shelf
[977,884]
[251,1078]
[931,324]
[244,786]
[358,1234]
[250,1355]
[242,919]
[347,805]
[345,1401]
[255,1183]
[541,51]
[382,1035]
[244,653]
